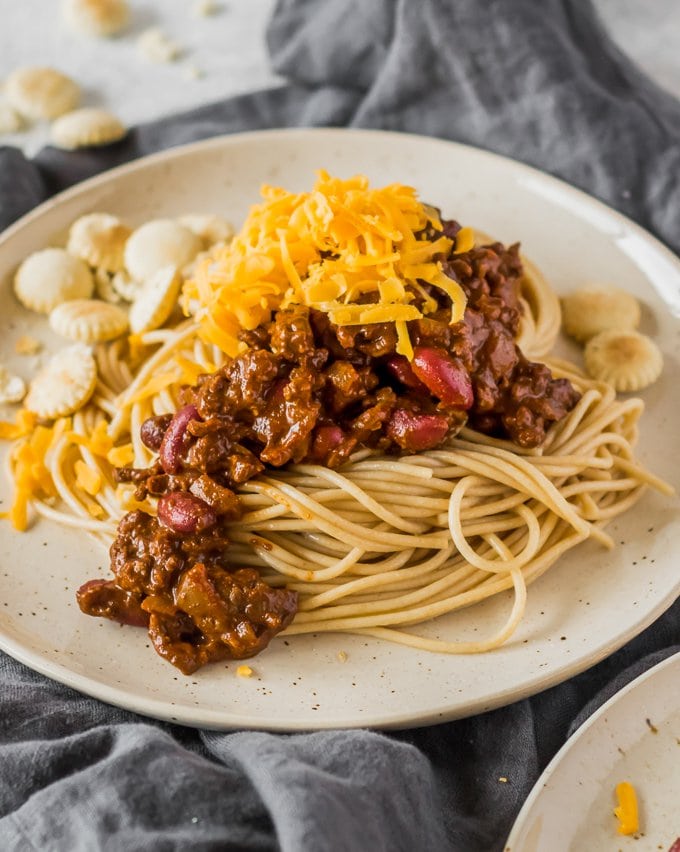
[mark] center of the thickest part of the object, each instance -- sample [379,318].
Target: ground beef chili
[306,390]
[177,584]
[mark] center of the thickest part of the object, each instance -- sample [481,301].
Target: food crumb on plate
[27,345]
[342,656]
[244,671]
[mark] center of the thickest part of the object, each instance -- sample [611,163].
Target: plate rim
[673,660]
[213,719]
[189,148]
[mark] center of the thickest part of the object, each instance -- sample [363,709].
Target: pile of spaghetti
[437,466]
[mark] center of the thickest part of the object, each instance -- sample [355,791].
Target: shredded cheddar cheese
[465,240]
[24,422]
[95,510]
[360,255]
[192,370]
[31,476]
[87,478]
[29,461]
[98,442]
[154,385]
[627,810]
[136,347]
[121,456]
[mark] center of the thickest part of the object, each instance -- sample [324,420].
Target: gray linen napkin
[547,87]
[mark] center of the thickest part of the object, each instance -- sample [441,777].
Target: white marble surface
[228,50]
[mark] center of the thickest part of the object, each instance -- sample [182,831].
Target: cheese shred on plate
[627,810]
[31,476]
[358,254]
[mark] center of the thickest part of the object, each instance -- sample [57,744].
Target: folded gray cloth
[549,88]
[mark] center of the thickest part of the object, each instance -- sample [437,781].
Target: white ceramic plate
[635,737]
[584,608]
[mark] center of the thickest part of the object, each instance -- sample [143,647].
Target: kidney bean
[182,512]
[445,378]
[153,429]
[326,439]
[416,432]
[173,439]
[400,368]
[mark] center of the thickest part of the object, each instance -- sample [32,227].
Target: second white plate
[634,737]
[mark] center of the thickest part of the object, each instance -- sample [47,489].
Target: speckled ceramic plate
[581,610]
[635,737]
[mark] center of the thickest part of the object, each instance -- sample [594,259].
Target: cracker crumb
[125,286]
[193,72]
[205,8]
[342,656]
[27,345]
[244,671]
[12,388]
[156,46]
[503,779]
[103,287]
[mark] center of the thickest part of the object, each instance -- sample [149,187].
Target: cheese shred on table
[358,254]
